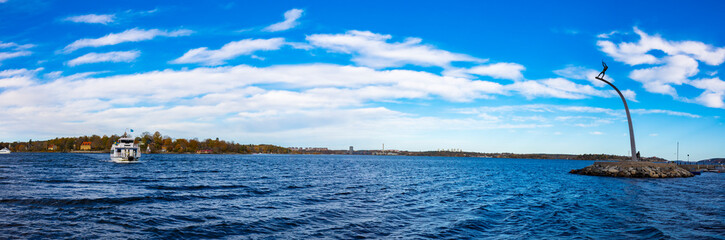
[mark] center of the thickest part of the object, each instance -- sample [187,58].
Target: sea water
[54,195]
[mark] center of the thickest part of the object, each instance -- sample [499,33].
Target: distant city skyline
[476,76]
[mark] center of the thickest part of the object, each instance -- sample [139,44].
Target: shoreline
[500,156]
[631,169]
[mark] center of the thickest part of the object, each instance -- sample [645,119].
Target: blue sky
[472,75]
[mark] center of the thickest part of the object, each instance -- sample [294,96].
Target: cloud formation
[256,99]
[290,21]
[663,74]
[563,88]
[8,55]
[713,94]
[229,51]
[499,70]
[582,73]
[119,56]
[175,100]
[13,50]
[676,71]
[131,35]
[373,50]
[560,115]
[638,53]
[15,46]
[549,108]
[12,78]
[92,18]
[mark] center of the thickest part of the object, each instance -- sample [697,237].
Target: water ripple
[287,196]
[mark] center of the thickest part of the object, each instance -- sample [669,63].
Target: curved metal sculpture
[635,154]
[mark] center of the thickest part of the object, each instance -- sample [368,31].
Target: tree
[194,145]
[158,140]
[96,143]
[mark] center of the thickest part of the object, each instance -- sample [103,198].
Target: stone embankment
[634,170]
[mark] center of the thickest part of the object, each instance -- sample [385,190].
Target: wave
[195,187]
[646,233]
[298,187]
[226,229]
[89,201]
[65,181]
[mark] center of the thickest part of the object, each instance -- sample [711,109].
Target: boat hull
[124,160]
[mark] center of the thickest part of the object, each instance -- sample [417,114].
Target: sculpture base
[631,169]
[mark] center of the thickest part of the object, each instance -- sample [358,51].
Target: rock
[634,169]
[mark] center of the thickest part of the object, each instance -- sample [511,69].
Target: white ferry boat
[125,150]
[5,151]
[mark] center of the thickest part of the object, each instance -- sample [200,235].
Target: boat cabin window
[118,150]
[126,141]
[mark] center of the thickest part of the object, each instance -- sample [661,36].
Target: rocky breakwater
[632,169]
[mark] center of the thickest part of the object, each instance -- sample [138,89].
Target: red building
[86,146]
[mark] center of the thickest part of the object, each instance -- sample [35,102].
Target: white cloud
[16,50]
[322,97]
[302,101]
[92,18]
[373,50]
[8,55]
[562,88]
[638,53]
[713,94]
[596,133]
[661,111]
[582,73]
[499,70]
[659,79]
[290,21]
[300,45]
[607,35]
[229,51]
[13,78]
[120,56]
[131,35]
[679,64]
[15,46]
[561,115]
[547,108]
[332,84]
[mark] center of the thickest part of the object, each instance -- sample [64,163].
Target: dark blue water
[293,196]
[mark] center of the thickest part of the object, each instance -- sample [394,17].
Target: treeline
[157,143]
[149,143]
[65,144]
[440,154]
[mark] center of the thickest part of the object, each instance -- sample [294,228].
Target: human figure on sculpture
[601,74]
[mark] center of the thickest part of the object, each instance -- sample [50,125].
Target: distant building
[52,148]
[86,146]
[205,151]
[309,149]
[163,149]
[351,151]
